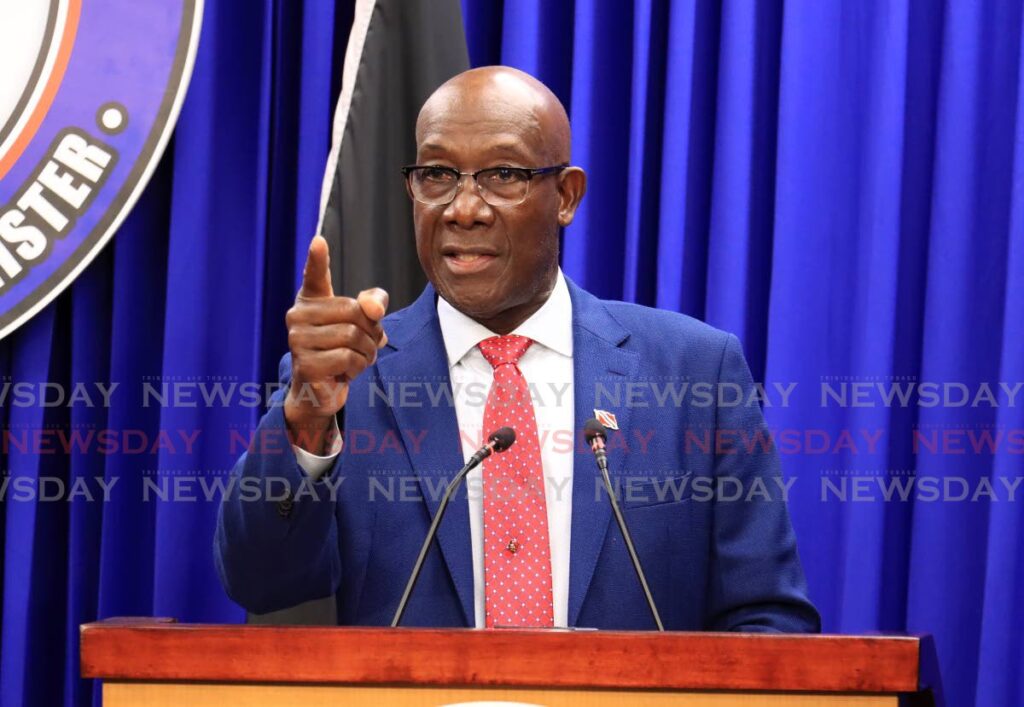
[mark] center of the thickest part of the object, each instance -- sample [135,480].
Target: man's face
[496,264]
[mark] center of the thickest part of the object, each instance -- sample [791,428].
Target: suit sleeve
[757,582]
[276,543]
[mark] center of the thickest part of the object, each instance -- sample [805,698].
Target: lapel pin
[607,419]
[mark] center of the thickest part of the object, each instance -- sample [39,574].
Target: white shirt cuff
[314,465]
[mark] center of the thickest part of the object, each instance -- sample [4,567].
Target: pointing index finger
[316,276]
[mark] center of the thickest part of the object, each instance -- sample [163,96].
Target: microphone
[499,441]
[596,435]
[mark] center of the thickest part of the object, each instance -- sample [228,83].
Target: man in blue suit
[695,471]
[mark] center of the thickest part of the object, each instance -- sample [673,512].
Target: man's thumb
[316,276]
[374,303]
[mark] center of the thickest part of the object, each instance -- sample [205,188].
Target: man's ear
[572,185]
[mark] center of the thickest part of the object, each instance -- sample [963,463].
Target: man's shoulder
[653,331]
[658,325]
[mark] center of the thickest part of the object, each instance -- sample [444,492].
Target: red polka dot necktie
[517,554]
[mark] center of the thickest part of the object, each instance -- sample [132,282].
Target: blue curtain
[838,183]
[192,290]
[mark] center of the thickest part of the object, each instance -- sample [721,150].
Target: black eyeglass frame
[529,172]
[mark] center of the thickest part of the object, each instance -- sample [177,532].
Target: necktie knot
[499,350]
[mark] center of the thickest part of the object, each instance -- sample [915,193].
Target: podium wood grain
[149,662]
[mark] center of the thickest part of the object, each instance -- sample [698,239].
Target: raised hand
[332,340]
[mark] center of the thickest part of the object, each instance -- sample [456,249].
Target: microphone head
[502,439]
[593,430]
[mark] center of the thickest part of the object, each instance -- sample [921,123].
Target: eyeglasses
[498,186]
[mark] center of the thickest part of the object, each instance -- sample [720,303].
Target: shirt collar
[550,326]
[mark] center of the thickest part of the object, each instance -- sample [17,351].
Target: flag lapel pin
[607,419]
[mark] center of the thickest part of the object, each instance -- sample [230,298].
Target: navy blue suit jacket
[712,564]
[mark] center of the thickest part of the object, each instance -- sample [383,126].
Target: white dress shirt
[548,368]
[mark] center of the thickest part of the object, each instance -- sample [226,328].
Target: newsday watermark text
[924,440]
[829,392]
[634,491]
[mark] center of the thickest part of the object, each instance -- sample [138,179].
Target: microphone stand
[496,443]
[596,439]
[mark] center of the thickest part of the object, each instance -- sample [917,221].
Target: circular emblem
[89,94]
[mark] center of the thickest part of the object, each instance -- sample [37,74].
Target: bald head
[503,95]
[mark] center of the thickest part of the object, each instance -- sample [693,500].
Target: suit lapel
[597,359]
[419,356]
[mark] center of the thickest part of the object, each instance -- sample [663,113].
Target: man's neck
[509,320]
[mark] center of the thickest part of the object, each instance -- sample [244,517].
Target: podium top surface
[161,650]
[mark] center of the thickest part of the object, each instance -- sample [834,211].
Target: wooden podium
[157,662]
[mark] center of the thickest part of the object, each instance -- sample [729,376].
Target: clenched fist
[332,340]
